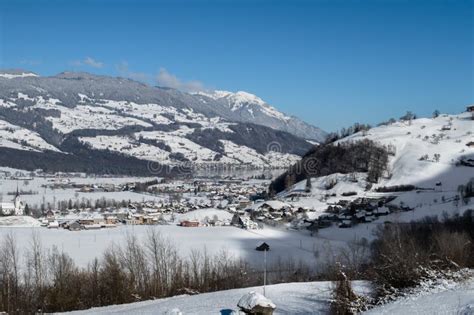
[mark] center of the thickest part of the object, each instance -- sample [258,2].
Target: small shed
[256,304]
[190,223]
[263,247]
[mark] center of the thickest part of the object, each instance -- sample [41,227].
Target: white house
[16,207]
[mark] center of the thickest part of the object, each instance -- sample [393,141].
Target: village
[190,203]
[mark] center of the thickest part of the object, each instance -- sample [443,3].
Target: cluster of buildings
[349,213]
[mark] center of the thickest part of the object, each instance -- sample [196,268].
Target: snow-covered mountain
[16,73]
[78,117]
[249,107]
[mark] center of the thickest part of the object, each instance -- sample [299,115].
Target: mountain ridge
[126,118]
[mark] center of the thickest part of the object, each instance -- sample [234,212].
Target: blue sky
[330,63]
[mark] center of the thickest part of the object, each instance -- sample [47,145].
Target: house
[369,218]
[111,220]
[446,127]
[470,108]
[237,221]
[49,214]
[382,211]
[263,247]
[190,223]
[53,225]
[74,226]
[345,224]
[274,205]
[470,144]
[360,216]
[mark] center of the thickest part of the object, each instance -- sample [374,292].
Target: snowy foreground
[447,297]
[289,298]
[305,298]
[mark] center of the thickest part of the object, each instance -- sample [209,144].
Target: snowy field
[50,195]
[290,298]
[83,246]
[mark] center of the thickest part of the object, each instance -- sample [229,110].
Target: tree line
[41,280]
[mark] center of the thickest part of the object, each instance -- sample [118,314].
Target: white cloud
[166,79]
[93,63]
[124,70]
[163,78]
[30,62]
[88,61]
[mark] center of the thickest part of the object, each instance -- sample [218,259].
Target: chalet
[273,205]
[369,218]
[149,219]
[243,222]
[111,220]
[381,211]
[244,203]
[134,220]
[345,224]
[49,214]
[296,193]
[237,221]
[360,216]
[74,226]
[190,223]
[446,127]
[263,247]
[53,225]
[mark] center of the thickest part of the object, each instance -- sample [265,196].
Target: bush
[345,301]
[405,253]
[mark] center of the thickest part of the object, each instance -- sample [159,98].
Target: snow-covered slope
[289,298]
[19,221]
[440,297]
[21,138]
[11,74]
[425,153]
[249,107]
[418,143]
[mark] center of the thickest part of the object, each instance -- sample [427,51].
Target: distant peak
[239,97]
[16,73]
[77,75]
[245,97]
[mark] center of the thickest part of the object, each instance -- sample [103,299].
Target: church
[16,207]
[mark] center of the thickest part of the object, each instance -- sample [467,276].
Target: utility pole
[264,270]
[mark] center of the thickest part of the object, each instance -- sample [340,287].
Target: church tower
[19,207]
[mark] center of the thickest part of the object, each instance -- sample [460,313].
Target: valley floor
[84,246]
